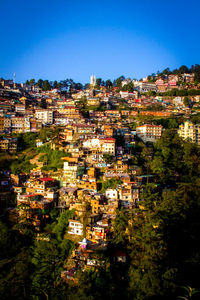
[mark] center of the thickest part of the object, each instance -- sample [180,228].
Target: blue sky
[61,39]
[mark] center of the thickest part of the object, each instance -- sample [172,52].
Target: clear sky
[63,39]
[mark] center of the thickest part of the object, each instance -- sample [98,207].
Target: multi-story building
[8,144]
[108,146]
[75,227]
[18,124]
[1,124]
[44,115]
[72,170]
[190,131]
[144,87]
[7,123]
[149,133]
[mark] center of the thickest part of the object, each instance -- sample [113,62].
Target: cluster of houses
[97,177]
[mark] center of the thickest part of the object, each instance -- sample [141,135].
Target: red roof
[47,179]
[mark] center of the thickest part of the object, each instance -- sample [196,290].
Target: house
[72,169]
[8,144]
[190,131]
[112,194]
[75,227]
[149,133]
[96,233]
[119,256]
[44,115]
[108,145]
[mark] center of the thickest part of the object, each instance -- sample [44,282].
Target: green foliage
[61,227]
[47,261]
[128,87]
[46,85]
[46,134]
[108,83]
[51,158]
[110,183]
[195,118]
[186,101]
[167,123]
[92,285]
[120,226]
[108,158]
[182,93]
[15,265]
[22,164]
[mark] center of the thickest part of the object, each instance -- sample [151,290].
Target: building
[92,80]
[8,144]
[108,146]
[144,87]
[190,131]
[75,227]
[44,115]
[72,170]
[1,124]
[149,133]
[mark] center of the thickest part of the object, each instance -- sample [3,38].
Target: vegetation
[52,158]
[110,183]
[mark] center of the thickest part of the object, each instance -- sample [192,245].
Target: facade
[144,87]
[190,131]
[46,116]
[75,227]
[72,170]
[92,80]
[8,144]
[149,133]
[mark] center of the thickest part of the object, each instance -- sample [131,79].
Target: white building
[112,194]
[44,115]
[75,227]
[149,133]
[92,80]
[105,145]
[144,87]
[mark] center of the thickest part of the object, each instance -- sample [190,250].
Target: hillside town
[87,151]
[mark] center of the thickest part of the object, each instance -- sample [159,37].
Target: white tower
[92,80]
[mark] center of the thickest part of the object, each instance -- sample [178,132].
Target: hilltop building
[190,131]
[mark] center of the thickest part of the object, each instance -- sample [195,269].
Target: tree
[108,158]
[47,261]
[120,236]
[186,101]
[40,83]
[166,71]
[108,83]
[61,227]
[46,85]
[32,82]
[99,81]
[166,163]
[55,84]
[183,69]
[190,292]
[119,80]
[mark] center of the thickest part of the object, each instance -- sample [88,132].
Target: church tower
[92,80]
